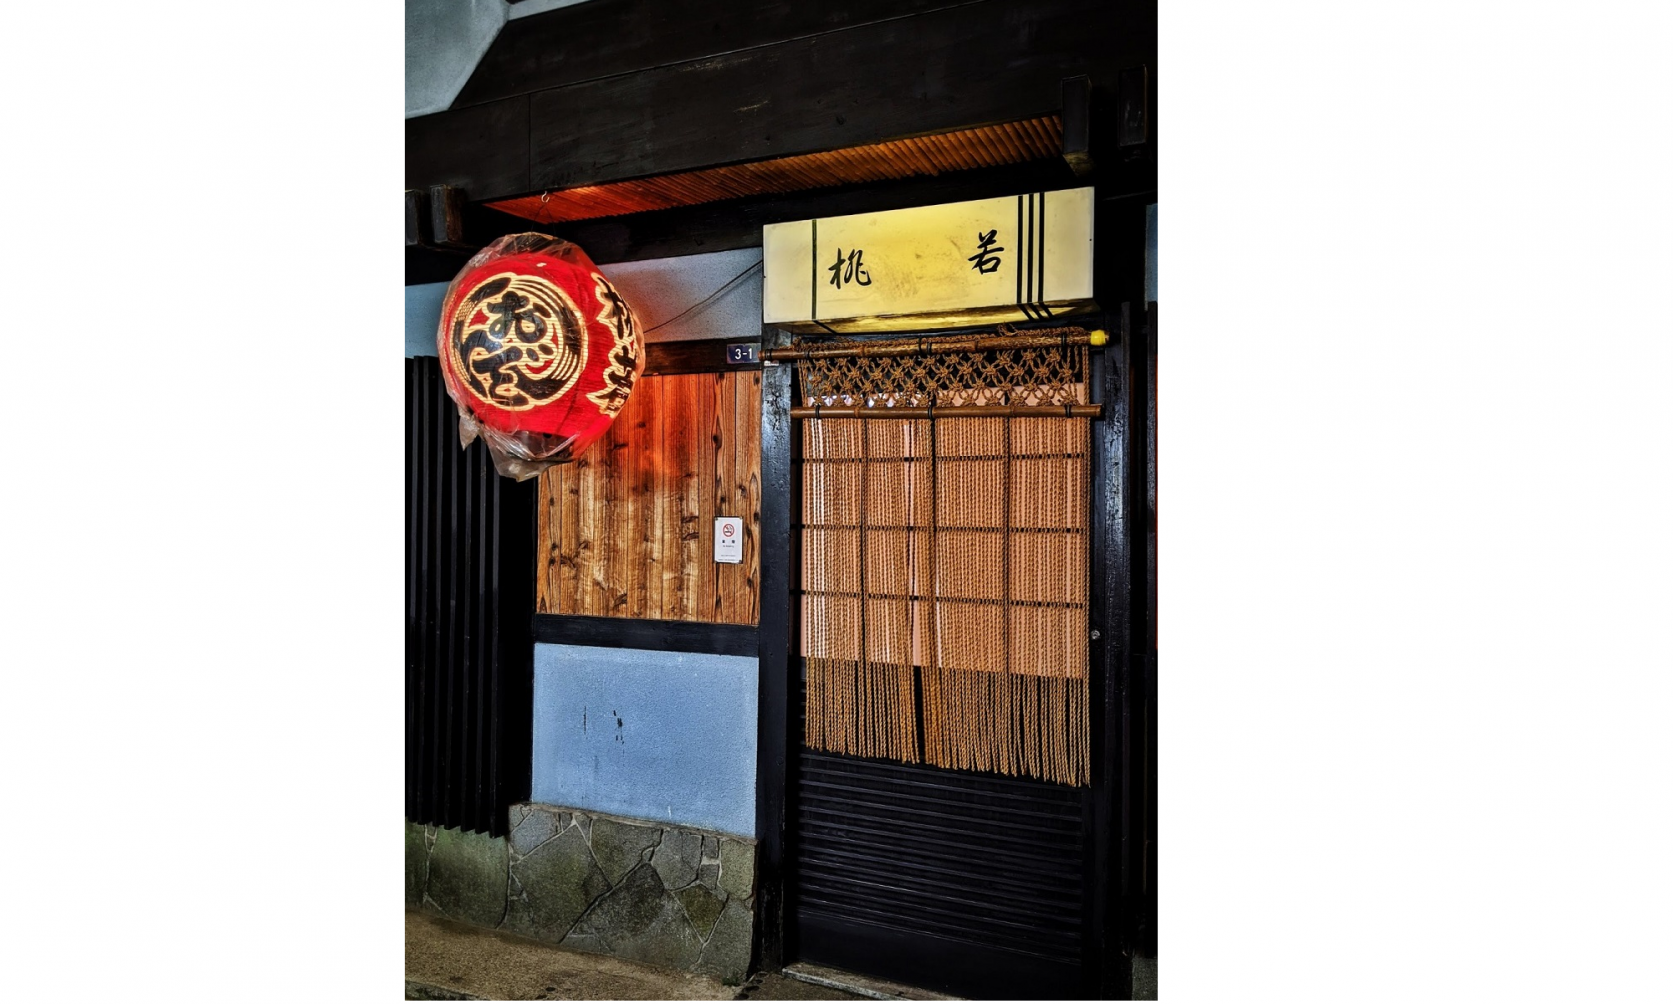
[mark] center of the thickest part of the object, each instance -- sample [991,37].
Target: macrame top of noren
[1034,375]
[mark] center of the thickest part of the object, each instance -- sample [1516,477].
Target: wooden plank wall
[627,530]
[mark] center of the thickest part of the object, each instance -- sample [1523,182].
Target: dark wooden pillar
[780,507]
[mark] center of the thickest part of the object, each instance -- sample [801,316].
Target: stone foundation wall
[665,895]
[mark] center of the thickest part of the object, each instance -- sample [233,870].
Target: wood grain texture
[694,529]
[737,223]
[546,537]
[722,397]
[642,462]
[480,149]
[584,42]
[618,521]
[765,103]
[703,355]
[591,556]
[627,530]
[920,156]
[746,498]
[932,71]
[677,449]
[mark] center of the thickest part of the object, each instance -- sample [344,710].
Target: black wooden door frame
[1114,918]
[779,633]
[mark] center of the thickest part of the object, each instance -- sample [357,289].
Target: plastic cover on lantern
[538,351]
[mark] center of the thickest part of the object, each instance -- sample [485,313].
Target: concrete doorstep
[453,961]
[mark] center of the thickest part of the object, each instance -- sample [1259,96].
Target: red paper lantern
[538,351]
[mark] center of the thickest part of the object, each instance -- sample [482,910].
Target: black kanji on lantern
[624,355]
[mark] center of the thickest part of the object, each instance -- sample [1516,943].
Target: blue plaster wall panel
[423,314]
[663,736]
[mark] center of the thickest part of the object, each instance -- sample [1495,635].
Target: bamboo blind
[945,573]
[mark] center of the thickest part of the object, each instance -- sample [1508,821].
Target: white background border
[1414,502]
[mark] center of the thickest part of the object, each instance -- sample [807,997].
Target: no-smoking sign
[729,540]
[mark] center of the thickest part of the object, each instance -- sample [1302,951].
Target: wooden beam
[780,643]
[998,145]
[705,355]
[1006,337]
[953,411]
[483,150]
[931,71]
[417,217]
[1133,128]
[427,264]
[906,77]
[447,217]
[577,44]
[651,635]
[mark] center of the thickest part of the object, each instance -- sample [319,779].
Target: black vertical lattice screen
[470,587]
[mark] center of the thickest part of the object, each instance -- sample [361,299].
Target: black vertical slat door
[470,602]
[963,883]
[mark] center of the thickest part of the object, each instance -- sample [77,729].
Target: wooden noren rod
[1035,339]
[956,411]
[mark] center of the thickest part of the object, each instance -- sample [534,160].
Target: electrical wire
[708,299]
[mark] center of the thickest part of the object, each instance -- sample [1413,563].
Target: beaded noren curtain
[945,563]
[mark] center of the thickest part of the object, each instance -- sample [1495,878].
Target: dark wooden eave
[616,90]
[917,157]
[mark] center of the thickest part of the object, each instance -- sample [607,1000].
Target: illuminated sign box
[1016,258]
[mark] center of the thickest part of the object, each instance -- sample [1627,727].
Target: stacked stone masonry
[653,893]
